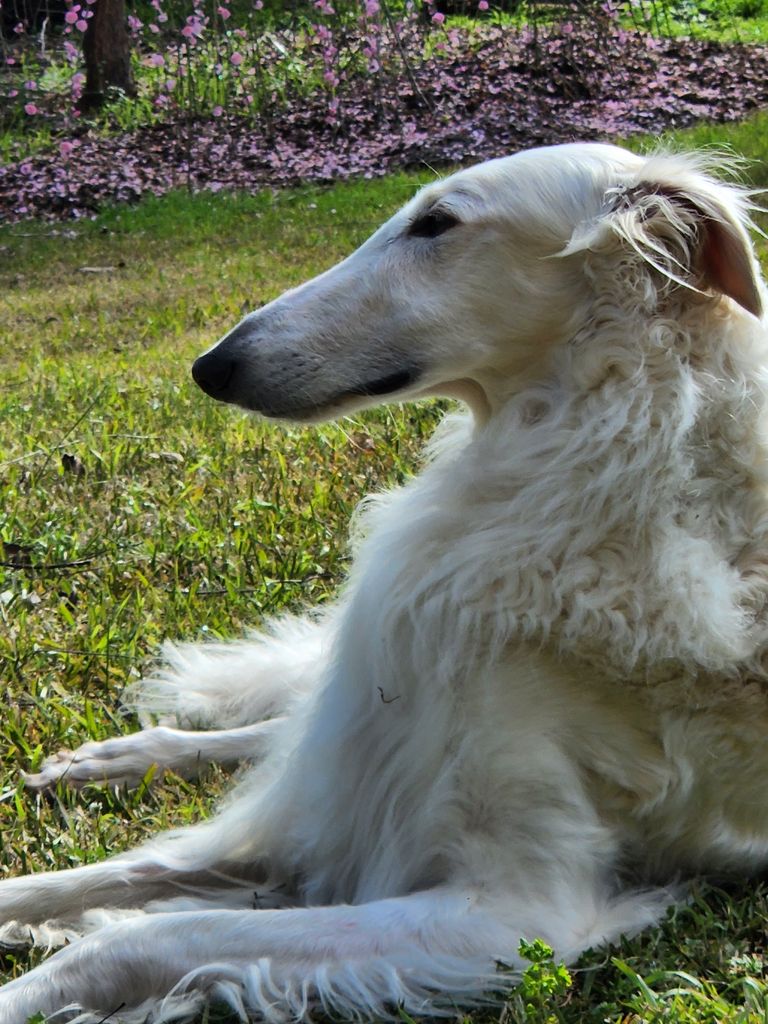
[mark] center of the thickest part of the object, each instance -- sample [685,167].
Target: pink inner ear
[727,268]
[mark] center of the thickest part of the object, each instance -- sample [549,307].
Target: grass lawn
[149,511]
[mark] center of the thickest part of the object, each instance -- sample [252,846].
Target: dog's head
[472,284]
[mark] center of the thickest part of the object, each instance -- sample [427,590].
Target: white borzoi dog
[543,694]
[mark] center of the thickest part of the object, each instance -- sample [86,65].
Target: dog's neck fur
[673,423]
[656,439]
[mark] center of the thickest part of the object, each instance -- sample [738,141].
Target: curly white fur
[541,696]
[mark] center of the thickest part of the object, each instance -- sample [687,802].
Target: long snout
[344,340]
[272,364]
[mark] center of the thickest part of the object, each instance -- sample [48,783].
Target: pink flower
[372,8]
[223,13]
[482,5]
[438,17]
[258,4]
[81,25]
[237,58]
[217,111]
[30,109]
[193,28]
[30,85]
[71,16]
[156,60]
[65,148]
[134,24]
[10,60]
[162,18]
[153,27]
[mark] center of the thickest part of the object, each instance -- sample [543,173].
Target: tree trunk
[107,54]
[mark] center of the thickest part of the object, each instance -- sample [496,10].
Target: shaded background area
[249,95]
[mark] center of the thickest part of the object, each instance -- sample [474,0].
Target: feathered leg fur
[234,696]
[420,953]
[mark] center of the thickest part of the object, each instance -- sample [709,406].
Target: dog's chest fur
[658,788]
[606,580]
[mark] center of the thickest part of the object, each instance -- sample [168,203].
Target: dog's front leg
[53,907]
[371,957]
[418,952]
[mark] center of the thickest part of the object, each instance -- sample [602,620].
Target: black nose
[214,373]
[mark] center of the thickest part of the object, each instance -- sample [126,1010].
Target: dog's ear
[693,236]
[727,265]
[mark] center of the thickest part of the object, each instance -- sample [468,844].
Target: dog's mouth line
[387,385]
[391,383]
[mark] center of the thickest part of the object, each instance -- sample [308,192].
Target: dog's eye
[432,224]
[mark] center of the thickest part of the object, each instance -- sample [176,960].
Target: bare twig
[219,591]
[406,63]
[94,401]
[75,563]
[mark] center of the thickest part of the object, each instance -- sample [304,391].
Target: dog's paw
[14,935]
[121,761]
